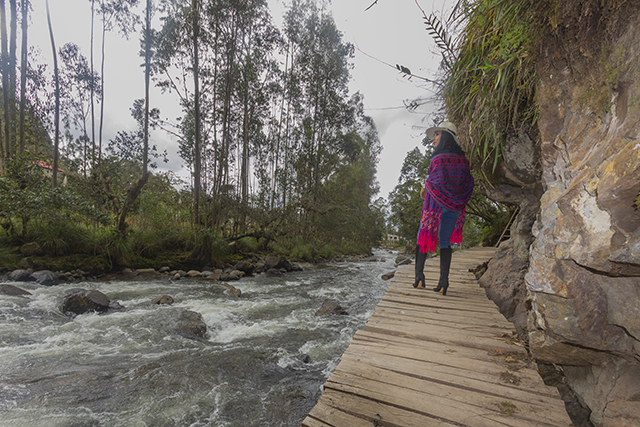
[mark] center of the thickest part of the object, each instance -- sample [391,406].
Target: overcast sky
[391,32]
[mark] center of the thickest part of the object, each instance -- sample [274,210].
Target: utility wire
[400,68]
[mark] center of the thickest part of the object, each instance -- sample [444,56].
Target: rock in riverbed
[331,307]
[13,291]
[81,301]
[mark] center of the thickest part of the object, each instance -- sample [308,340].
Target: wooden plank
[465,406]
[424,359]
[465,376]
[513,361]
[442,318]
[426,315]
[313,422]
[458,339]
[333,415]
[433,405]
[381,413]
[438,352]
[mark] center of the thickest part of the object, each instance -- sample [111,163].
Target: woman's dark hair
[447,145]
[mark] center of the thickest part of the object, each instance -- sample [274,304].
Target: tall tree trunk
[244,174]
[147,72]
[5,78]
[93,92]
[196,106]
[57,108]
[132,195]
[24,59]
[104,32]
[223,165]
[13,36]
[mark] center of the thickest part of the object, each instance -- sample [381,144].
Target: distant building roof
[46,165]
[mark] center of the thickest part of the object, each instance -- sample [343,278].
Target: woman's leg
[447,224]
[419,277]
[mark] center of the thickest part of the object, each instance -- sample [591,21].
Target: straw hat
[445,126]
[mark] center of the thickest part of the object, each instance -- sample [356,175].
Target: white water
[135,368]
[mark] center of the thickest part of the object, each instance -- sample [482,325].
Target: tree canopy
[281,155]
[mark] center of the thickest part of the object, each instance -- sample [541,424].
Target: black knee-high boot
[445,265]
[420,259]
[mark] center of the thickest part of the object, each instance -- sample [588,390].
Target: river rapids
[263,362]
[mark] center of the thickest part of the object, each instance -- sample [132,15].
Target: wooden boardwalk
[424,359]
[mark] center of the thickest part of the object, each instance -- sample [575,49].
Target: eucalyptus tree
[147,42]
[322,72]
[276,167]
[4,58]
[93,113]
[177,53]
[258,39]
[349,189]
[78,83]
[57,98]
[117,14]
[234,40]
[24,60]
[13,34]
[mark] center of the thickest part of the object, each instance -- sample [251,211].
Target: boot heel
[419,282]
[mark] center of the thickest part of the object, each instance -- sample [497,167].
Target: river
[132,369]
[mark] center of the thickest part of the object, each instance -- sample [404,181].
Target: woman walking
[446,193]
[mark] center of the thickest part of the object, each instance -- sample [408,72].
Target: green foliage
[113,246]
[59,237]
[303,252]
[310,147]
[9,258]
[404,200]
[210,247]
[490,217]
[472,233]
[490,86]
[248,245]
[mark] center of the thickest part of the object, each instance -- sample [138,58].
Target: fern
[443,40]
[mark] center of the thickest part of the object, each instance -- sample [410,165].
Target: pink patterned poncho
[449,184]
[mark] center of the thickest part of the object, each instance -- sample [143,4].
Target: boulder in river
[275,261]
[162,300]
[159,300]
[191,325]
[82,301]
[388,276]
[13,291]
[194,273]
[261,267]
[402,260]
[234,292]
[45,278]
[245,266]
[21,276]
[147,272]
[331,307]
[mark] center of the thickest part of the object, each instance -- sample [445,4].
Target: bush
[247,245]
[112,245]
[60,237]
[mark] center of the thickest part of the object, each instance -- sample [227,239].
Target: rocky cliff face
[574,288]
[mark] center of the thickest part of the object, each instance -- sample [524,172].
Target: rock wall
[575,290]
